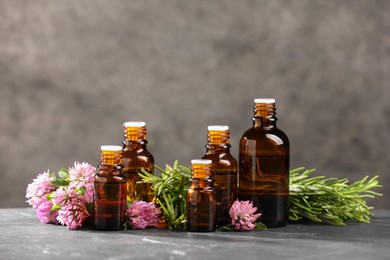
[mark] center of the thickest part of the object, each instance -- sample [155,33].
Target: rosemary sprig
[170,191]
[320,199]
[330,200]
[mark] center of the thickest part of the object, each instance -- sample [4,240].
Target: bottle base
[109,228]
[201,230]
[273,208]
[274,224]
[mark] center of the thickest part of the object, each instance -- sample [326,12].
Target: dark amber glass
[110,190]
[201,203]
[264,165]
[136,157]
[224,171]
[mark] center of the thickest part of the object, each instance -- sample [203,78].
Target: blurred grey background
[71,72]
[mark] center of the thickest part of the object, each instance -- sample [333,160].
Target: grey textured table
[24,237]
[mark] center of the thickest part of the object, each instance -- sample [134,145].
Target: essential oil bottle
[264,165]
[201,203]
[224,171]
[136,157]
[110,190]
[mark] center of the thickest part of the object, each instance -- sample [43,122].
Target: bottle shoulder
[222,161]
[134,158]
[259,134]
[103,178]
[132,149]
[194,189]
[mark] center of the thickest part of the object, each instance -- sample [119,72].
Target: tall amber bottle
[264,165]
[224,171]
[110,190]
[136,157]
[201,203]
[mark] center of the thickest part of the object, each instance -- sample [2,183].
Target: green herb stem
[330,200]
[170,190]
[320,199]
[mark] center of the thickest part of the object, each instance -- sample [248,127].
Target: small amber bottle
[224,171]
[110,190]
[136,157]
[201,203]
[264,165]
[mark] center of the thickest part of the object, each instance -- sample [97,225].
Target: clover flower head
[40,187]
[82,172]
[45,214]
[243,215]
[73,213]
[82,175]
[61,195]
[142,214]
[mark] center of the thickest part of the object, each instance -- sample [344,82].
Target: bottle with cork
[224,171]
[110,190]
[136,157]
[264,165]
[201,203]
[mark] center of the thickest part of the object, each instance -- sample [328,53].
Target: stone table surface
[24,237]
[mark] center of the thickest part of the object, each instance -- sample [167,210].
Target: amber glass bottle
[136,157]
[224,171]
[201,203]
[110,190]
[264,165]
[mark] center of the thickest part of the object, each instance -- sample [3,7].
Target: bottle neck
[201,175]
[264,115]
[134,134]
[135,145]
[217,148]
[134,137]
[218,137]
[201,183]
[201,171]
[110,161]
[218,141]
